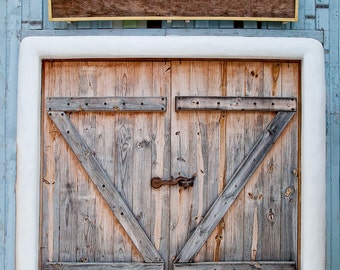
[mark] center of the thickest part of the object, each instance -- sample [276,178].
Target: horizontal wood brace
[106,104]
[101,266]
[189,103]
[263,265]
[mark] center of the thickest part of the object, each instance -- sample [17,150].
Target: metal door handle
[157,182]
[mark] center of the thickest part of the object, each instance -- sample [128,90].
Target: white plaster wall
[309,51]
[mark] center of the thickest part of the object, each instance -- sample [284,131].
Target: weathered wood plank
[124,142]
[235,185]
[235,151]
[270,175]
[290,174]
[183,151]
[189,103]
[105,186]
[237,265]
[253,191]
[86,218]
[142,163]
[66,212]
[102,266]
[106,104]
[161,149]
[51,181]
[211,142]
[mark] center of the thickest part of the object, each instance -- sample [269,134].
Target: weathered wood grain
[105,186]
[238,265]
[133,147]
[102,266]
[62,9]
[183,151]
[271,172]
[161,151]
[211,103]
[106,104]
[239,179]
[253,191]
[290,174]
[86,218]
[235,151]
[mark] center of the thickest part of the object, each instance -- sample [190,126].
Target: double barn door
[166,164]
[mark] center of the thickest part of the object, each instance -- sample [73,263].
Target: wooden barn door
[170,164]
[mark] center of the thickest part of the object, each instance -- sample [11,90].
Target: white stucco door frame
[34,49]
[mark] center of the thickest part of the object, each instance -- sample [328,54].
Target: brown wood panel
[115,140]
[77,225]
[284,10]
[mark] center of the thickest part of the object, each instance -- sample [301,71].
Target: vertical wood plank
[161,152]
[141,171]
[254,189]
[214,155]
[49,243]
[235,152]
[181,199]
[271,174]
[105,148]
[290,172]
[86,199]
[124,158]
[66,176]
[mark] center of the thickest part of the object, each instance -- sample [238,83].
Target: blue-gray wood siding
[317,19]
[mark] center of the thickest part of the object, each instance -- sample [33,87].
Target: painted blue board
[8,69]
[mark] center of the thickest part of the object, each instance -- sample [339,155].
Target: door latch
[157,182]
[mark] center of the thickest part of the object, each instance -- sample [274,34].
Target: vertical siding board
[35,16]
[333,163]
[309,15]
[2,138]
[25,15]
[3,52]
[300,24]
[334,43]
[333,187]
[12,43]
[47,25]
